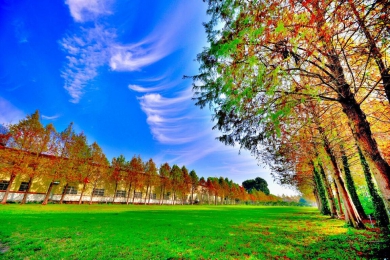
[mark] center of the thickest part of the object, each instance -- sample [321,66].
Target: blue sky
[115,69]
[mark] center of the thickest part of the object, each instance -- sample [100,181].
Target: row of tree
[42,153]
[305,86]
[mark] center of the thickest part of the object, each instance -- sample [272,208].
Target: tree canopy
[258,184]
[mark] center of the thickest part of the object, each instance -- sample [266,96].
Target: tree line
[305,86]
[42,153]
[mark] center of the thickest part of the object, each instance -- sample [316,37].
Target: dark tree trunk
[351,215]
[380,213]
[93,189]
[133,195]
[174,198]
[146,195]
[192,195]
[11,181]
[360,127]
[162,195]
[48,193]
[82,193]
[128,194]
[319,206]
[321,192]
[333,210]
[116,190]
[351,186]
[341,212]
[63,193]
[24,200]
[363,136]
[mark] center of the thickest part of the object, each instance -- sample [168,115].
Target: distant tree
[194,184]
[150,177]
[256,184]
[185,184]
[165,181]
[176,179]
[137,172]
[81,156]
[98,166]
[118,167]
[203,188]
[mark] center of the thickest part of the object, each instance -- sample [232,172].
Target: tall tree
[151,178]
[266,57]
[98,167]
[194,184]
[176,179]
[118,165]
[165,181]
[137,172]
[30,138]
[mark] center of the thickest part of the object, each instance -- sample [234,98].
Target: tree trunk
[48,193]
[192,195]
[162,191]
[341,212]
[93,189]
[351,186]
[128,195]
[363,136]
[319,206]
[174,198]
[11,181]
[82,193]
[63,193]
[146,195]
[333,210]
[360,127]
[134,195]
[24,200]
[351,215]
[380,213]
[116,190]
[321,192]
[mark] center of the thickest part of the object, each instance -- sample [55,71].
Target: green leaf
[280,28]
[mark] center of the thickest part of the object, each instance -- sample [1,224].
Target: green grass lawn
[179,232]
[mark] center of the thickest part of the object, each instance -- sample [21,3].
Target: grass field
[179,232]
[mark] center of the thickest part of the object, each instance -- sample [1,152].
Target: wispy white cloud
[92,46]
[50,117]
[140,89]
[169,119]
[86,52]
[88,10]
[9,113]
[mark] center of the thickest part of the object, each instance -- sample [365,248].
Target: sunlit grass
[178,232]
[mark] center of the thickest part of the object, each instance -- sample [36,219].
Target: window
[153,196]
[4,185]
[71,190]
[98,192]
[166,196]
[138,195]
[120,193]
[23,186]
